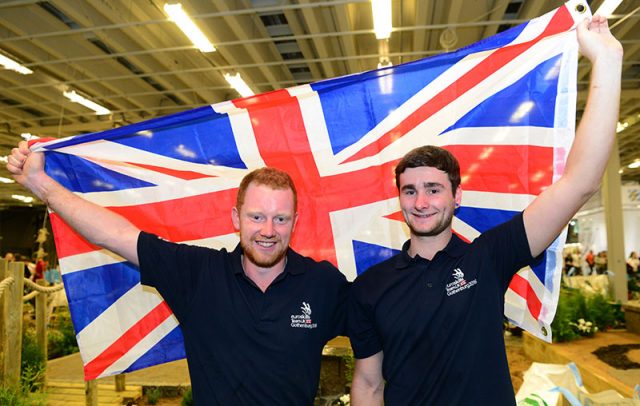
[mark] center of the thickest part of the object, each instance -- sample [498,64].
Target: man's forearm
[98,225]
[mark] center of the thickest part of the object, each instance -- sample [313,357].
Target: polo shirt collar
[454,248]
[294,264]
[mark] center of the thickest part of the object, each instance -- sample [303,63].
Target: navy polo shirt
[439,322]
[243,346]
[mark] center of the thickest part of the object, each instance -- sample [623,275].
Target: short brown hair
[434,157]
[271,177]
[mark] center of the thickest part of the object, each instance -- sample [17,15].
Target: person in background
[632,265]
[590,259]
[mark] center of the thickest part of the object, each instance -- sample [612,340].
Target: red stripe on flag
[522,287]
[186,175]
[560,22]
[520,169]
[127,341]
[184,219]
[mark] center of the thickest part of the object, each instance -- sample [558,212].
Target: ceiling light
[75,97]
[607,8]
[28,136]
[635,164]
[239,84]
[190,29]
[381,18]
[25,199]
[6,180]
[10,64]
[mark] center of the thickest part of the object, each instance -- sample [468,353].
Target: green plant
[187,398]
[153,395]
[579,314]
[61,336]
[32,366]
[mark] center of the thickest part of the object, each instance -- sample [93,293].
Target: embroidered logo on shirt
[303,320]
[459,284]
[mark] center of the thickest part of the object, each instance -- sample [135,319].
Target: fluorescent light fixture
[239,84]
[10,64]
[635,164]
[28,136]
[620,127]
[75,97]
[190,29]
[381,18]
[6,180]
[25,199]
[607,8]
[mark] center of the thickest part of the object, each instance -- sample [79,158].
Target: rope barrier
[30,295]
[6,283]
[43,289]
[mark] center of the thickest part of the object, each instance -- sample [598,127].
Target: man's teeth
[265,243]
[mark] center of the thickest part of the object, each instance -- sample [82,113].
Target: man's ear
[295,221]
[235,218]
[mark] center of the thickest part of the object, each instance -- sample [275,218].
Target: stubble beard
[267,262]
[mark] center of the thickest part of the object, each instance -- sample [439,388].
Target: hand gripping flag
[504,106]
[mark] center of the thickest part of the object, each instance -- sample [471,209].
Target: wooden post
[120,383]
[91,392]
[612,200]
[41,320]
[12,342]
[3,328]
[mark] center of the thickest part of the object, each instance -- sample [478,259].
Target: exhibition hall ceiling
[127,56]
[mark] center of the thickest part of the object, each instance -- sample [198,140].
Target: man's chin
[264,261]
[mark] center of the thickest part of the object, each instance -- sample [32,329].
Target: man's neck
[262,277]
[428,246]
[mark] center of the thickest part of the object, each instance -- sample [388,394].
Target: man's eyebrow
[410,186]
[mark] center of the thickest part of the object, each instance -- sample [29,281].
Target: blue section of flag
[483,219]
[545,268]
[170,348]
[86,176]
[528,102]
[353,105]
[368,255]
[208,140]
[91,291]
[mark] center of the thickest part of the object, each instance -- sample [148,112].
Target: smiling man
[426,325]
[254,320]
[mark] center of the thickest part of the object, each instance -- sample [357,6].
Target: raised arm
[97,224]
[367,386]
[545,217]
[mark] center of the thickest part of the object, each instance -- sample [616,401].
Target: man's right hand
[27,167]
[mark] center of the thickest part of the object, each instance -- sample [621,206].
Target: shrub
[187,399]
[153,395]
[61,336]
[579,315]
[32,366]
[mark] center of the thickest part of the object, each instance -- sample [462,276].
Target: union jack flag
[504,106]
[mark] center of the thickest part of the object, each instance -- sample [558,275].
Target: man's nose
[422,200]
[267,229]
